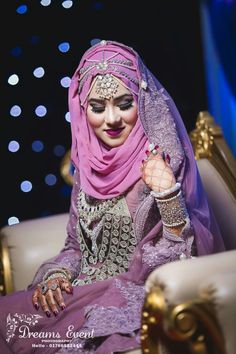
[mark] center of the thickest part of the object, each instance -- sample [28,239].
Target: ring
[44,289]
[153,148]
[54,286]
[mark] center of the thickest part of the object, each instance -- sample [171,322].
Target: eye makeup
[124,103]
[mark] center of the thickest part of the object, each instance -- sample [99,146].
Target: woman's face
[112,119]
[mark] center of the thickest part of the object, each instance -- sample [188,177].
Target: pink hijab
[104,172]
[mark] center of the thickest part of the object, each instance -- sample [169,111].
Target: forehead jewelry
[104,64]
[106,86]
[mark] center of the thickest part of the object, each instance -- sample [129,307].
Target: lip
[114,132]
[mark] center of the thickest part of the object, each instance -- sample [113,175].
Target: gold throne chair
[190,305]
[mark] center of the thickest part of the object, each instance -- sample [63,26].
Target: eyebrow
[98,100]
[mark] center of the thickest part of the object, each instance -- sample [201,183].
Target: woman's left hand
[157,172]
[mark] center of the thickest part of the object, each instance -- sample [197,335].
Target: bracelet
[173,210]
[166,192]
[56,275]
[52,271]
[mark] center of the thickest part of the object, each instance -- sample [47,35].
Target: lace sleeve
[69,257]
[170,247]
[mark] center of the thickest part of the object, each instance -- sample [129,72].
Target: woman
[137,203]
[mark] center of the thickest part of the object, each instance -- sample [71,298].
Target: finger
[152,149]
[168,158]
[35,299]
[44,305]
[66,285]
[59,298]
[155,155]
[51,302]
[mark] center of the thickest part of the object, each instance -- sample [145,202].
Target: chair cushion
[31,242]
[181,279]
[220,289]
[222,201]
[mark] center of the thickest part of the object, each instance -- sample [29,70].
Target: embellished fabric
[147,216]
[167,249]
[153,106]
[69,257]
[112,319]
[173,210]
[106,248]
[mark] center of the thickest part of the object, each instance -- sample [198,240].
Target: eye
[125,106]
[97,109]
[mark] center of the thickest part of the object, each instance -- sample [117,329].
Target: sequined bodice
[106,237]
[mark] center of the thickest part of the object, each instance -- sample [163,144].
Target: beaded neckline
[91,209]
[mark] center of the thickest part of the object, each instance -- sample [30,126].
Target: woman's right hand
[48,295]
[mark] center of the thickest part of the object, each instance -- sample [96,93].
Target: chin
[113,142]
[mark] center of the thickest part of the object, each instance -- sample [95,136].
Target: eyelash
[122,107]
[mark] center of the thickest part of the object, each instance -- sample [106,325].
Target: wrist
[173,190]
[57,273]
[172,209]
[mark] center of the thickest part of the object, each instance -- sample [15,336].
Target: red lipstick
[114,132]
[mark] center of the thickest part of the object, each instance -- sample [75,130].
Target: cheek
[131,116]
[95,120]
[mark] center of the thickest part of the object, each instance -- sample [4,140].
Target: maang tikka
[106,86]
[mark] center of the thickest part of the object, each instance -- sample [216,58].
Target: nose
[112,117]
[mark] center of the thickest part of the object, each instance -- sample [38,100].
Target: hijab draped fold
[105,172]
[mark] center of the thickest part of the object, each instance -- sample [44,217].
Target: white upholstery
[222,201]
[211,277]
[220,289]
[181,279]
[31,242]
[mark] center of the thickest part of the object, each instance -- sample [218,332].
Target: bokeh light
[26,186]
[45,2]
[39,72]
[37,146]
[50,179]
[17,51]
[67,4]
[65,81]
[13,220]
[67,117]
[98,5]
[13,146]
[15,111]
[64,47]
[95,41]
[40,111]
[13,79]
[59,150]
[22,9]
